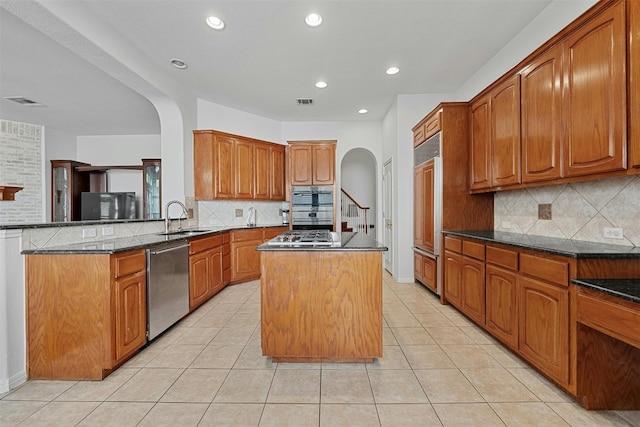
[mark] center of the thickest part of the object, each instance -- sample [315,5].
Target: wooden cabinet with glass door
[152,188]
[67,185]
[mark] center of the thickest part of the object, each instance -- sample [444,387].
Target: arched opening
[358,202]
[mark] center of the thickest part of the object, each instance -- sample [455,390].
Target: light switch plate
[88,232]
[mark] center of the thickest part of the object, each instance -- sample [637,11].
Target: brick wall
[21,165]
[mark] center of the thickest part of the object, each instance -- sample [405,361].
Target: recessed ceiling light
[179,63]
[321,84]
[313,19]
[215,22]
[363,111]
[392,70]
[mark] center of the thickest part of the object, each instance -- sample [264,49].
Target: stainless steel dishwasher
[167,286]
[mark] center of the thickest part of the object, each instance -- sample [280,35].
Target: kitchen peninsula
[321,301]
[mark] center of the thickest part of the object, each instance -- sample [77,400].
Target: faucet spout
[167,218]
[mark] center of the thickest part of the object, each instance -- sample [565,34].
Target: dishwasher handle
[167,249]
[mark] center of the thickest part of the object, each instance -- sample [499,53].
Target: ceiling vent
[305,101]
[24,101]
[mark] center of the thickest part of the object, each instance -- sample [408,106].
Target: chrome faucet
[167,220]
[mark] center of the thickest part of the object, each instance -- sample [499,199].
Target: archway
[358,195]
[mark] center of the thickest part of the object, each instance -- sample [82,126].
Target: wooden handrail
[354,200]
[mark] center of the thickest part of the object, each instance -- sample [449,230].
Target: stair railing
[354,215]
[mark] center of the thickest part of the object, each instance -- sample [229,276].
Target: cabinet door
[204,154]
[301,163]
[595,88]
[541,117]
[502,305]
[245,260]
[505,137]
[480,144]
[199,279]
[224,167]
[544,326]
[453,278]
[277,172]
[418,207]
[429,273]
[417,267]
[633,16]
[261,184]
[216,270]
[324,159]
[130,314]
[243,156]
[473,289]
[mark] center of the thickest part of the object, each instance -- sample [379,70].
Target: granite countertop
[26,225]
[348,241]
[628,289]
[141,241]
[552,245]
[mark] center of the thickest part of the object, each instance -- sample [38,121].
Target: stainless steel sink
[189,232]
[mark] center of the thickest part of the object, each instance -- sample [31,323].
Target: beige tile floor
[438,369]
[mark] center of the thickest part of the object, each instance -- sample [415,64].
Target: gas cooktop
[305,238]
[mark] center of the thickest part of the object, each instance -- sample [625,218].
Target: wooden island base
[321,306]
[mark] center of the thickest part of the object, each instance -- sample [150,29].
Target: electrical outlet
[613,233]
[88,232]
[506,224]
[107,231]
[239,213]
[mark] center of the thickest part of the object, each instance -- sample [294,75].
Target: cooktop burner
[303,237]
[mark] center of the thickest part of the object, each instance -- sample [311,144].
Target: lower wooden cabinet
[453,278]
[502,305]
[425,271]
[544,326]
[86,313]
[207,268]
[245,260]
[473,291]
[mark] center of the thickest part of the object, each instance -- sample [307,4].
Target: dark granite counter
[628,289]
[141,241]
[22,226]
[552,245]
[348,242]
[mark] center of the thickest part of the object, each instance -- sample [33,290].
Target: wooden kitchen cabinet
[206,268]
[633,18]
[425,270]
[233,167]
[495,136]
[312,162]
[544,326]
[245,260]
[472,278]
[82,329]
[453,278]
[424,181]
[501,304]
[541,113]
[595,90]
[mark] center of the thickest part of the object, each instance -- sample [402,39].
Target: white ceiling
[260,63]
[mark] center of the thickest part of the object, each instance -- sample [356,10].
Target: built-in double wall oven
[312,208]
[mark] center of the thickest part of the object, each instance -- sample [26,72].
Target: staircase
[354,215]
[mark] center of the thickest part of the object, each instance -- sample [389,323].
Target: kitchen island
[322,302]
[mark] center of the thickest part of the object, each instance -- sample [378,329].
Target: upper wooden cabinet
[312,162]
[495,136]
[595,93]
[234,167]
[541,109]
[562,112]
[423,230]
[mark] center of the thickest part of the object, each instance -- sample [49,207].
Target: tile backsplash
[223,213]
[578,211]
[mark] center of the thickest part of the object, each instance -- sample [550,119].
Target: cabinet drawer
[615,320]
[199,245]
[543,268]
[129,263]
[503,257]
[473,249]
[245,235]
[453,244]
